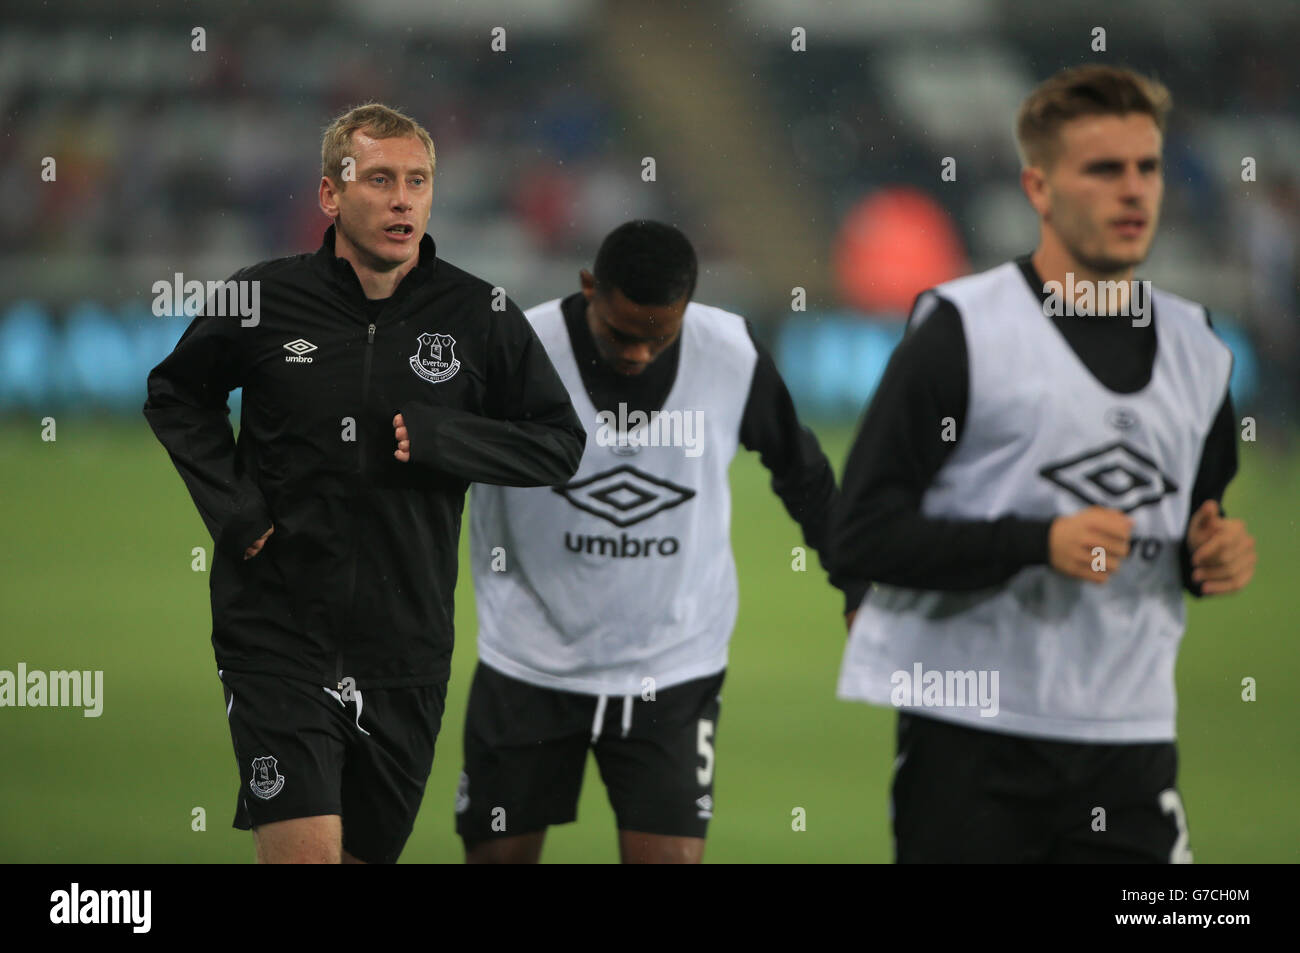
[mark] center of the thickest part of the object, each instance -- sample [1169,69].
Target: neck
[376,282]
[589,319]
[606,366]
[1054,262]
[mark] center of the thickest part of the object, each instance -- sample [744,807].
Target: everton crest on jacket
[357,578]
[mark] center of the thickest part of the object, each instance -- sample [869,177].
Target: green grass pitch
[98,532]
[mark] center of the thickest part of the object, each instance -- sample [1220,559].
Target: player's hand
[403,451]
[1223,553]
[1073,541]
[256,548]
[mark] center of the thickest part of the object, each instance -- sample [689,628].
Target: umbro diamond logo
[705,805]
[1115,475]
[462,794]
[624,495]
[297,351]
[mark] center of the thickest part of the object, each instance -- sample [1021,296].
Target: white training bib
[1044,655]
[623,579]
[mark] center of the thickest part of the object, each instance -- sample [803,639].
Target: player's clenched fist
[1074,543]
[403,451]
[1223,553]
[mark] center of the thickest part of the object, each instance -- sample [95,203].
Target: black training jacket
[358,578]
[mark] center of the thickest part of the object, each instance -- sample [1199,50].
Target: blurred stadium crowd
[175,160]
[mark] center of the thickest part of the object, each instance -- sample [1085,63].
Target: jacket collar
[340,269]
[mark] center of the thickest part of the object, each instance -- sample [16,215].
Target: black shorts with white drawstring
[305,750]
[526,751]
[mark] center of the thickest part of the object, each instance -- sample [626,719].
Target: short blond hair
[375,120]
[1092,90]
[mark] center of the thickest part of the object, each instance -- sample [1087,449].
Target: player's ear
[588,282]
[328,197]
[1034,184]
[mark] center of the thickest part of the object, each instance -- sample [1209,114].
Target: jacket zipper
[356,555]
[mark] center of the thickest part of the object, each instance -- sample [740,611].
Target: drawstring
[357,692]
[598,723]
[599,719]
[339,698]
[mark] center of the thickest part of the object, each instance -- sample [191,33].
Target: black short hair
[650,262]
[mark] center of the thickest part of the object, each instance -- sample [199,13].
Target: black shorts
[965,795]
[304,751]
[526,751]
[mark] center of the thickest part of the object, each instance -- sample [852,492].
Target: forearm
[187,411]
[1218,465]
[802,477]
[886,539]
[485,450]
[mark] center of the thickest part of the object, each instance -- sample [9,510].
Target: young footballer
[1036,481]
[606,604]
[379,381]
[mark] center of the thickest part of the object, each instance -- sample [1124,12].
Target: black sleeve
[880,533]
[1218,467]
[801,475]
[187,410]
[530,435]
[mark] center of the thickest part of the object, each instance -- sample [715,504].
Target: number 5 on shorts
[705,748]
